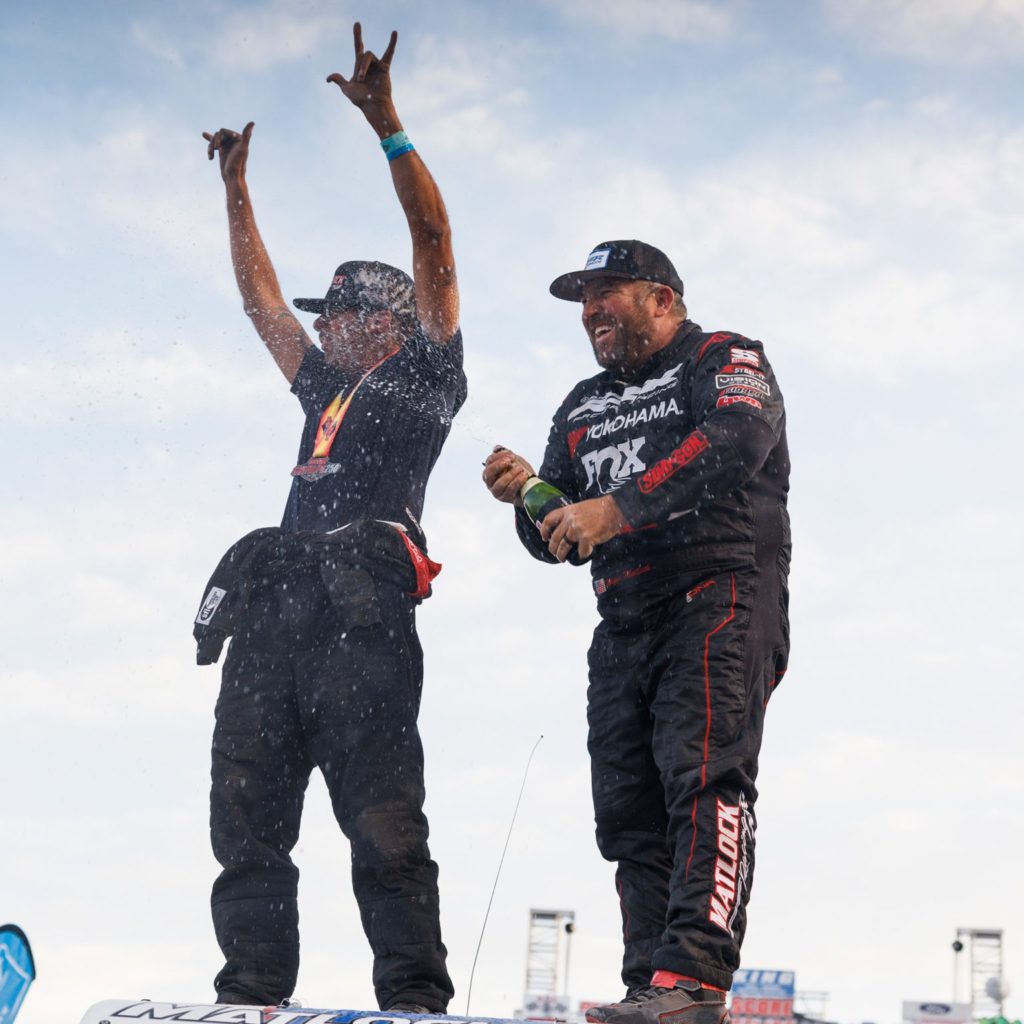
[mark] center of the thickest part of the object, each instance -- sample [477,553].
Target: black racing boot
[686,1002]
[411,1008]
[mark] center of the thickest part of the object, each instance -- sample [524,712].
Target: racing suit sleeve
[556,469]
[739,415]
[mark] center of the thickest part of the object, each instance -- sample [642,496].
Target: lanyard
[330,423]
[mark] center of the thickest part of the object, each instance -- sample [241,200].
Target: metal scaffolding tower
[988,989]
[547,961]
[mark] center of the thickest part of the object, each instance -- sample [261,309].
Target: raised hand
[370,83]
[233,149]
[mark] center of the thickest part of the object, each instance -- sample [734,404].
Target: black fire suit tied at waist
[349,563]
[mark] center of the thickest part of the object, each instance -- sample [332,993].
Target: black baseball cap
[625,258]
[366,284]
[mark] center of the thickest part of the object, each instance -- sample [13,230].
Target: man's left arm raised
[433,260]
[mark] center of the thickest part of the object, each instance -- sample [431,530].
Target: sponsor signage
[937,1013]
[763,996]
[545,1004]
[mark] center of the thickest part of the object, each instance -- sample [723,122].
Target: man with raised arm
[675,465]
[325,667]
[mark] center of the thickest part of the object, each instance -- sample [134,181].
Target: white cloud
[688,21]
[156,42]
[957,31]
[874,238]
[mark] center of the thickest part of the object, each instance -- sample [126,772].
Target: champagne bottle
[540,498]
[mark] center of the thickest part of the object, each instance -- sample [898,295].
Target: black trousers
[679,679]
[301,689]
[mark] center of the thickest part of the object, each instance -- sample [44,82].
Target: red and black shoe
[685,1002]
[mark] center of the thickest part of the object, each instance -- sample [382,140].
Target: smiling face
[619,318]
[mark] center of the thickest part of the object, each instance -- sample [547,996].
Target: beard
[625,346]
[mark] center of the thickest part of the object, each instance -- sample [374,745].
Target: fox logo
[621,460]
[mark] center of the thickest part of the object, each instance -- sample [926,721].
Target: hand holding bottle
[576,529]
[505,472]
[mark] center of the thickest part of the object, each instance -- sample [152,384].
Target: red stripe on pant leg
[707,709]
[693,837]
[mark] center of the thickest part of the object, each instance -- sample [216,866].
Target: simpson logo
[339,280]
[726,400]
[622,460]
[744,355]
[209,605]
[574,438]
[732,863]
[611,401]
[685,453]
[598,259]
[749,379]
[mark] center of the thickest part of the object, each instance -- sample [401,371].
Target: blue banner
[762,984]
[17,970]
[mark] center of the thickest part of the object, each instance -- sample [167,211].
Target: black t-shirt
[387,442]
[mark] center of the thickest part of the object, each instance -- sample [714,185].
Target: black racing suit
[694,633]
[317,677]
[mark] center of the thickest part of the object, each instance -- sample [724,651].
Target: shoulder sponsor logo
[210,604]
[620,460]
[744,355]
[668,467]
[727,400]
[743,371]
[598,259]
[750,380]
[612,401]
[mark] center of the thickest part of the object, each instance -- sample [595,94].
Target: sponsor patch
[621,461]
[654,411]
[744,355]
[727,400]
[685,453]
[598,259]
[339,280]
[610,401]
[750,379]
[209,605]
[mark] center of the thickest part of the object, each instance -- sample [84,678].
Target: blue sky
[844,180]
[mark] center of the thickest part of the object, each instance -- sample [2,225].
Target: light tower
[547,963]
[988,989]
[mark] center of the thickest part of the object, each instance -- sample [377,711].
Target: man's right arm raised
[281,332]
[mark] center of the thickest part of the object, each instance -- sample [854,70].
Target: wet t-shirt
[387,441]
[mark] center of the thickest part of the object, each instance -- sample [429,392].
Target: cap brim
[570,286]
[310,305]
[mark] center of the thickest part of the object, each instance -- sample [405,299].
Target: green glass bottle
[539,499]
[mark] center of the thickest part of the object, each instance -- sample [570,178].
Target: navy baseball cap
[366,284]
[625,258]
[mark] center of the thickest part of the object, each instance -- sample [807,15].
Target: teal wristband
[395,145]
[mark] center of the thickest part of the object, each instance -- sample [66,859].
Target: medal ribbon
[330,421]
